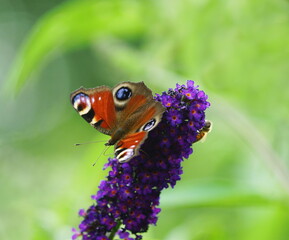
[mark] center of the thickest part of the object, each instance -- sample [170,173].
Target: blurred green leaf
[214,194]
[72,25]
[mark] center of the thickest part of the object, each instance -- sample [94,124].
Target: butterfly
[126,113]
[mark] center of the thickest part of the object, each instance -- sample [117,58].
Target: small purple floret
[128,199]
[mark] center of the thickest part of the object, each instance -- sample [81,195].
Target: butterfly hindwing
[128,147]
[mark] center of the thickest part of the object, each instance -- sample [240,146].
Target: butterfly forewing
[96,106]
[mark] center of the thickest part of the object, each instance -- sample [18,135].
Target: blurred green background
[234,186]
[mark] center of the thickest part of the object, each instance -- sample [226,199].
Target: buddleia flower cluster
[127,201]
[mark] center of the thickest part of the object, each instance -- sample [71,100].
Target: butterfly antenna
[106,150]
[102,153]
[79,144]
[144,152]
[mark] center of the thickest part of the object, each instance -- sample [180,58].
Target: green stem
[114,230]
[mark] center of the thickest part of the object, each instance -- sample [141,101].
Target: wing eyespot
[149,125]
[123,93]
[81,102]
[124,154]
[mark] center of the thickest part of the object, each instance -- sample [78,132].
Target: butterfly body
[126,113]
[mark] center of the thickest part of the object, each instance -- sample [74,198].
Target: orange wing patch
[103,107]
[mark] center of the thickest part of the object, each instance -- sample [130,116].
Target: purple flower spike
[126,203]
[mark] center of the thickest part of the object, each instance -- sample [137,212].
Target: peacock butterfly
[127,113]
